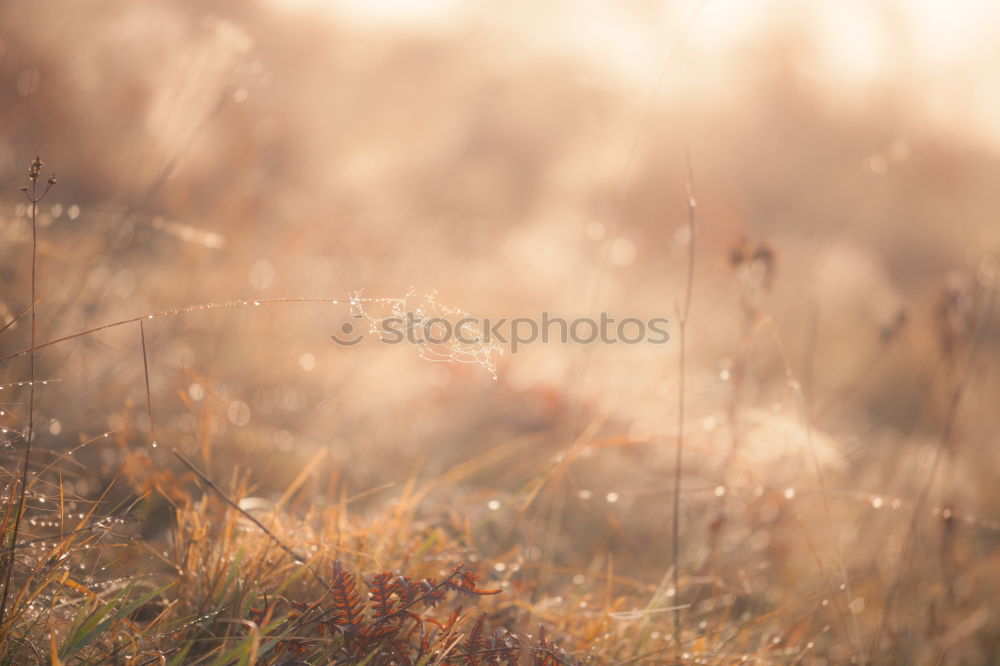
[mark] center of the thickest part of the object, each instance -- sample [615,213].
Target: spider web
[444,346]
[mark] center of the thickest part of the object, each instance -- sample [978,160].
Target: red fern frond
[348,607]
[465,583]
[381,589]
[476,642]
[405,590]
[431,592]
[384,627]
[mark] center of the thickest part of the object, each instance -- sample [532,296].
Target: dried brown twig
[34,173]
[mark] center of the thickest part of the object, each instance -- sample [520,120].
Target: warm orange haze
[399,332]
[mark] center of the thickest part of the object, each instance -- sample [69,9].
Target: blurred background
[522,157]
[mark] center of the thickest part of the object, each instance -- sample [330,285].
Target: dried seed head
[35,169]
[756,263]
[52,180]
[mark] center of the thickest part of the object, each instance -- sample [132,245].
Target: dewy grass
[433,570]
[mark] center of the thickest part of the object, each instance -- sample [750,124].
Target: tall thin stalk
[682,319]
[34,171]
